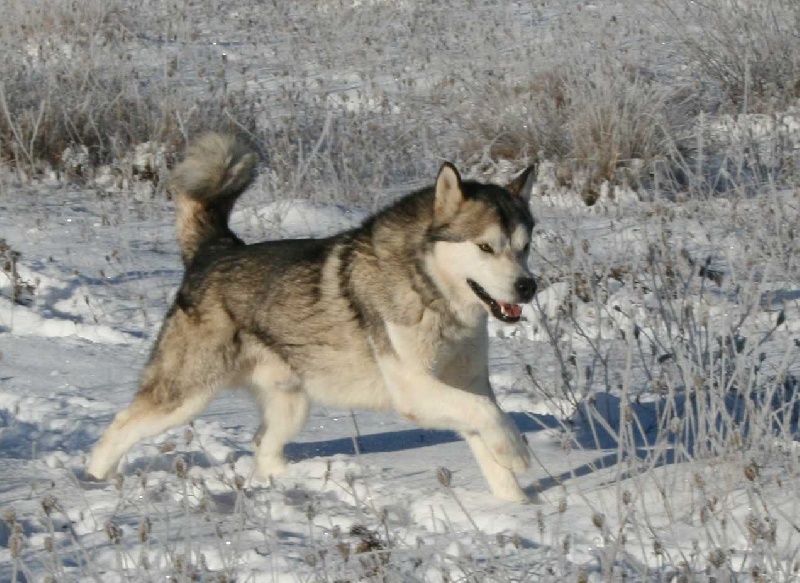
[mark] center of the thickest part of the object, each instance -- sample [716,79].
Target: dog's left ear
[522,185]
[448,192]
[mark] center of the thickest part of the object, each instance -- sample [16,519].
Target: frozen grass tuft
[86,87]
[676,355]
[619,125]
[72,77]
[747,53]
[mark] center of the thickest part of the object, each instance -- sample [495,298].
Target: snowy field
[656,375]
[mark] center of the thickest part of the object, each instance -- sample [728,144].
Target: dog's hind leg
[192,360]
[143,418]
[285,414]
[285,407]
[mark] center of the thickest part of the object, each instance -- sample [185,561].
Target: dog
[389,315]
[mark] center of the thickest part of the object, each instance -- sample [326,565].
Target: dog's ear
[522,185]
[448,192]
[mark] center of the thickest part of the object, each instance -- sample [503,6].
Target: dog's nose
[526,288]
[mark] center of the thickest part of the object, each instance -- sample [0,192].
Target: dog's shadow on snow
[597,426]
[648,432]
[404,439]
[409,439]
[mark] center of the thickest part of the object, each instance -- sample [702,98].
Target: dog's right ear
[522,185]
[448,192]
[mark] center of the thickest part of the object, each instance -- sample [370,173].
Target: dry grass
[618,120]
[748,53]
[105,108]
[71,77]
[342,115]
[599,123]
[522,120]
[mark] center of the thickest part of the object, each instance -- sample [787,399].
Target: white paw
[272,465]
[507,445]
[99,468]
[504,486]
[512,494]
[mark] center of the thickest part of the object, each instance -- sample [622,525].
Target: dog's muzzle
[506,312]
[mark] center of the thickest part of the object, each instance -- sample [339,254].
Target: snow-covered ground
[656,374]
[655,494]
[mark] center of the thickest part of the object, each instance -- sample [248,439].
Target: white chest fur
[440,349]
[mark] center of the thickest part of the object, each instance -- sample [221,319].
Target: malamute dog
[389,315]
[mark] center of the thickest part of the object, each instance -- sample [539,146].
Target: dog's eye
[486,248]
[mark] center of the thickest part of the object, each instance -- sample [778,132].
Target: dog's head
[481,237]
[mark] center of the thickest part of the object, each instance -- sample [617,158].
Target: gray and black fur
[318,319]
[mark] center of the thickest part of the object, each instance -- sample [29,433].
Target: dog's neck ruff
[445,298]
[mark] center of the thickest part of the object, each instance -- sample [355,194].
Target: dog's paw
[512,494]
[507,445]
[504,486]
[99,469]
[267,466]
[92,478]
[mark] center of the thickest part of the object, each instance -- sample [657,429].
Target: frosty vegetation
[656,373]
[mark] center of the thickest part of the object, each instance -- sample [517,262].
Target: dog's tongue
[511,310]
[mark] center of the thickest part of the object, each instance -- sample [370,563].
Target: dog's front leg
[422,398]
[501,480]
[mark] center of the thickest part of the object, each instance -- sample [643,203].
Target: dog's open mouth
[504,312]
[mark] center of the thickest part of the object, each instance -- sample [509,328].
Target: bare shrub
[526,119]
[748,51]
[71,78]
[599,123]
[340,156]
[102,109]
[617,118]
[19,289]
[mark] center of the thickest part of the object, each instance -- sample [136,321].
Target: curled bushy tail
[216,170]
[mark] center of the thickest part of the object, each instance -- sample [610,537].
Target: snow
[655,375]
[605,492]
